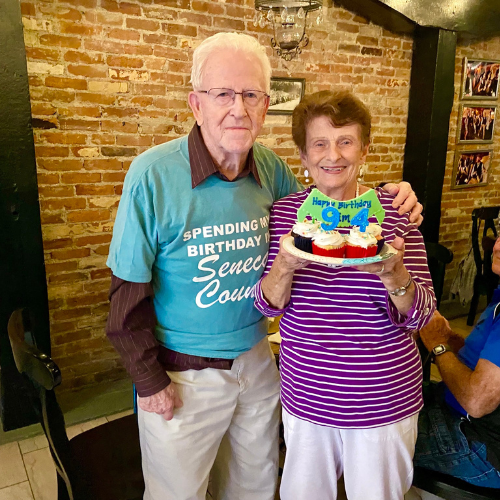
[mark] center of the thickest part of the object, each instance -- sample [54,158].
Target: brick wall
[109,79]
[457,204]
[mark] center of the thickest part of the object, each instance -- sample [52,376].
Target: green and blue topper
[334,213]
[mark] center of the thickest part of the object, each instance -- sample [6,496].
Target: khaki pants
[229,421]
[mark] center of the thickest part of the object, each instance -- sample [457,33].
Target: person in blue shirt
[459,427]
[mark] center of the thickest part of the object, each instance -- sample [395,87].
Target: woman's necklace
[357,190]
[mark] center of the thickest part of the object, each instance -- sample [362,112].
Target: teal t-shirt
[204,248]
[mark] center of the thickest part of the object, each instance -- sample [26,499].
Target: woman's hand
[390,269]
[286,261]
[393,274]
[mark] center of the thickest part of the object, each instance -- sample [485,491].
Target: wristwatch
[399,292]
[439,349]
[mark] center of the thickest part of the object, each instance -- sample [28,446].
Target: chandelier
[288,19]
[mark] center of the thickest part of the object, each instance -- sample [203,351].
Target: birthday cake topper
[333,213]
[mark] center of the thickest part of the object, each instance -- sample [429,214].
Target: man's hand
[163,402]
[406,200]
[436,332]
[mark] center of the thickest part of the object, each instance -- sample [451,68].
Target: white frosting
[374,229]
[306,228]
[359,239]
[331,238]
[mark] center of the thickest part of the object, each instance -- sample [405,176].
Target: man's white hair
[228,41]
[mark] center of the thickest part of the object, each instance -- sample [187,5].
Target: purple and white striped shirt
[347,357]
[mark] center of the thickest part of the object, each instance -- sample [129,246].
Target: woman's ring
[381,271]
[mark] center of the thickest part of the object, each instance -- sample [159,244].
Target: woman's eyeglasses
[226,97]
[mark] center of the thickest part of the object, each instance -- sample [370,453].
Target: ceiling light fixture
[288,19]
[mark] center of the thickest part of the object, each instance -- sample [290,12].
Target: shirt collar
[202,164]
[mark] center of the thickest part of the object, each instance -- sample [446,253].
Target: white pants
[229,421]
[376,463]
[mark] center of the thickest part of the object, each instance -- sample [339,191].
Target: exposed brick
[63,203]
[67,277]
[349,28]
[56,137]
[104,164]
[125,7]
[60,41]
[28,9]
[55,191]
[100,273]
[72,253]
[118,151]
[42,53]
[179,29]
[88,71]
[65,83]
[93,240]
[80,178]
[91,190]
[74,124]
[83,57]
[142,24]
[122,34]
[125,62]
[67,164]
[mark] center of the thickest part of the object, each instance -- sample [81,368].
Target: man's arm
[130,328]
[478,390]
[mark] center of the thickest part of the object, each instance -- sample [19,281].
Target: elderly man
[189,243]
[459,428]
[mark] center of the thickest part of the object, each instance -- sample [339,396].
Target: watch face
[439,349]
[399,292]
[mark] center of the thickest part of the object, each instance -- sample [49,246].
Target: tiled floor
[27,471]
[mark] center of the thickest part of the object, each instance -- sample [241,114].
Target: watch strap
[397,292]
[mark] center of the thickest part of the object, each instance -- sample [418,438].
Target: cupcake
[359,245]
[376,231]
[302,233]
[328,244]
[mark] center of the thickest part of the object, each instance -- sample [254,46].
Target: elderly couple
[198,219]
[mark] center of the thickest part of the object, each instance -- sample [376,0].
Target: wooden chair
[486,280]
[103,463]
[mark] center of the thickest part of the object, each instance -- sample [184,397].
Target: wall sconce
[288,18]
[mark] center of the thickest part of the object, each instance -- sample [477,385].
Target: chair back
[42,375]
[488,216]
[103,463]
[486,280]
[437,258]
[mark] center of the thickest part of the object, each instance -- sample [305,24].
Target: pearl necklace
[357,190]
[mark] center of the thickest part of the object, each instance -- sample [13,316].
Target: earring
[361,172]
[306,175]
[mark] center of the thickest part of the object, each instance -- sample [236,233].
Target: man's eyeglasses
[226,97]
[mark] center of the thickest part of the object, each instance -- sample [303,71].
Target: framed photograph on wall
[476,124]
[471,168]
[286,93]
[480,79]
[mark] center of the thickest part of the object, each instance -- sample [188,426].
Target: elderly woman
[350,370]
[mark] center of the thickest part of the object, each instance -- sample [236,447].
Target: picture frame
[476,123]
[471,168]
[480,79]
[286,93]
